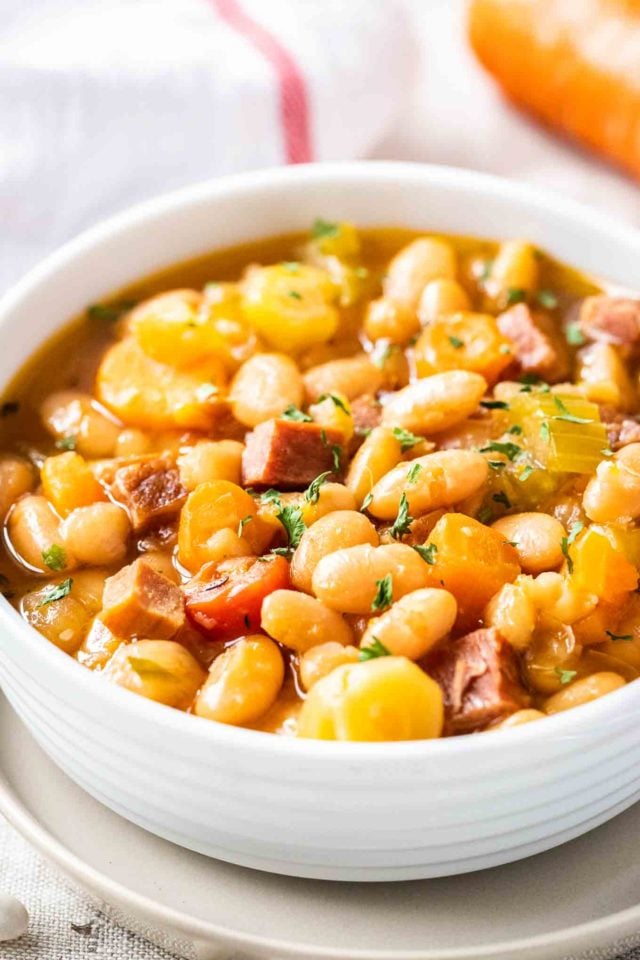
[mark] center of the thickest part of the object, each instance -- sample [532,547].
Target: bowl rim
[568,724]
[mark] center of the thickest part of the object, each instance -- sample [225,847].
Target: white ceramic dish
[578,901]
[314,809]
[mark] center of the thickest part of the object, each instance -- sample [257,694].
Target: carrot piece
[573,68]
[463,341]
[597,567]
[67,482]
[471,561]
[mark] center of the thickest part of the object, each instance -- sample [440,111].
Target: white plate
[581,897]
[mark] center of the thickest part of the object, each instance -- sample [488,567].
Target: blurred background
[104,104]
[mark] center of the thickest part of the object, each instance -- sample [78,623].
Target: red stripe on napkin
[292,90]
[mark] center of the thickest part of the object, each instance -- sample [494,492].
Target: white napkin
[107,102]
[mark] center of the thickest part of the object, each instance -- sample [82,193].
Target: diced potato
[161,670]
[463,341]
[171,329]
[148,394]
[68,483]
[291,306]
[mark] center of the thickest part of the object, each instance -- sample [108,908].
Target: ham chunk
[150,490]
[611,319]
[478,675]
[288,454]
[540,348]
[138,602]
[366,412]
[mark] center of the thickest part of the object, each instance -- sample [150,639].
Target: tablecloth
[450,113]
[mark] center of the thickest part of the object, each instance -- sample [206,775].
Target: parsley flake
[403,521]
[367,501]
[516,430]
[526,473]
[566,542]
[312,493]
[55,557]
[109,311]
[324,228]
[336,400]
[375,649]
[545,433]
[413,473]
[485,515]
[510,450]
[494,404]
[67,443]
[56,591]
[515,295]
[294,294]
[619,636]
[384,594]
[271,496]
[406,439]
[566,676]
[291,519]
[547,299]
[502,498]
[456,342]
[293,413]
[243,523]
[565,415]
[428,552]
[574,335]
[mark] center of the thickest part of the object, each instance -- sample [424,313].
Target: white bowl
[342,811]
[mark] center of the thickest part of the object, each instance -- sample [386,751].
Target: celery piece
[563,433]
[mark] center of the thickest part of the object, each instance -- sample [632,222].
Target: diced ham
[366,412]
[478,675]
[621,430]
[540,348]
[224,425]
[611,319]
[138,602]
[288,454]
[150,490]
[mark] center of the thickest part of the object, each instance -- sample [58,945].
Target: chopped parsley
[510,450]
[428,552]
[55,557]
[367,501]
[515,295]
[456,342]
[574,335]
[384,594]
[565,415]
[56,591]
[243,523]
[403,521]
[67,443]
[336,400]
[293,413]
[291,519]
[531,380]
[565,676]
[547,299]
[9,408]
[515,430]
[375,649]
[502,498]
[336,453]
[497,464]
[312,493]
[526,473]
[545,433]
[485,272]
[566,542]
[494,404]
[109,311]
[619,636]
[322,229]
[504,349]
[294,294]
[406,439]
[271,496]
[414,470]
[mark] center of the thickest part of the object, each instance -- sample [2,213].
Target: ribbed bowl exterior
[308,808]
